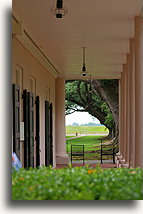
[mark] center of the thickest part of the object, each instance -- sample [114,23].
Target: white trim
[23,37]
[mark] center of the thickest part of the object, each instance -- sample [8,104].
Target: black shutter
[47,134]
[16,119]
[37,131]
[26,128]
[51,134]
[31,128]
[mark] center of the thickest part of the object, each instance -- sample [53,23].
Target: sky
[80,118]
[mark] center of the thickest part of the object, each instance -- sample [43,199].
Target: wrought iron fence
[91,152]
[79,152]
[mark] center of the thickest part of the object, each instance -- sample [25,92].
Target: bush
[78,183]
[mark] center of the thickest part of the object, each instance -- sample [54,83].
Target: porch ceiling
[104,27]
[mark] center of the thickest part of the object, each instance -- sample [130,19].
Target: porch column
[121,116]
[125,109]
[132,105]
[139,91]
[61,155]
[127,116]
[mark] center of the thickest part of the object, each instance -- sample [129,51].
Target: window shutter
[37,131]
[47,134]
[16,119]
[26,129]
[31,128]
[51,134]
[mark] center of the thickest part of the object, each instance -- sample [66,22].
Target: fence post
[67,147]
[113,154]
[71,154]
[101,152]
[83,154]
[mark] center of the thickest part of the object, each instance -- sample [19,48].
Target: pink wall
[45,82]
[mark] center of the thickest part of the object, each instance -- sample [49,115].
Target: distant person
[76,134]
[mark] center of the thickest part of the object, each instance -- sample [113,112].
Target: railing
[79,153]
[96,152]
[112,153]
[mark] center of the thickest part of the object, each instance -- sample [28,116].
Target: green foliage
[109,83]
[79,98]
[79,183]
[108,118]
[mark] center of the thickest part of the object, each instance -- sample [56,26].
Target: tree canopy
[97,97]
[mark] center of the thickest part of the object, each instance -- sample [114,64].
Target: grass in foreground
[79,183]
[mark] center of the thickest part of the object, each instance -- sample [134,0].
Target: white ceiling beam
[23,37]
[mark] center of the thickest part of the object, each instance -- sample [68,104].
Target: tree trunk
[110,96]
[78,94]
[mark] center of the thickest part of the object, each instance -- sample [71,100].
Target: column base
[132,165]
[120,162]
[118,157]
[62,159]
[125,165]
[117,160]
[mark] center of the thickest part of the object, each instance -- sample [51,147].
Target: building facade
[39,73]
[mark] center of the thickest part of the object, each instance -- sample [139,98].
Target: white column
[139,91]
[121,115]
[132,105]
[128,110]
[61,155]
[125,110]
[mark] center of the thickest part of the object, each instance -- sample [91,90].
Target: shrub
[78,183]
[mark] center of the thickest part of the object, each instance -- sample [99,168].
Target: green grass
[86,130]
[78,183]
[86,140]
[69,136]
[92,146]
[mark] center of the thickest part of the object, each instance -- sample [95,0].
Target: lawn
[69,136]
[92,147]
[88,141]
[86,130]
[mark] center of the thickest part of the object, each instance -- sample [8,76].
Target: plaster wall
[44,86]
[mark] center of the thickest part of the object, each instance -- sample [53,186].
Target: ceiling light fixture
[59,11]
[84,71]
